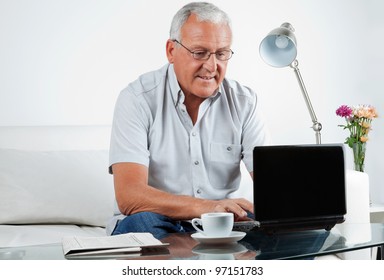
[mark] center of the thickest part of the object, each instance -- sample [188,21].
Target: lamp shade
[278,48]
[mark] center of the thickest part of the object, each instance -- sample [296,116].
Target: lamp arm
[316,125]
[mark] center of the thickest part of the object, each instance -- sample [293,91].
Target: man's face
[200,78]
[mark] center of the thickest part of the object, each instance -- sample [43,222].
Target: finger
[245,204]
[236,209]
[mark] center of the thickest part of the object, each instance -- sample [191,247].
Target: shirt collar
[174,85]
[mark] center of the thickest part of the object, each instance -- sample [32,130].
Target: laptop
[298,187]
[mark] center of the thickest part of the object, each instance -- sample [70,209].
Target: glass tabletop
[34,252]
[255,245]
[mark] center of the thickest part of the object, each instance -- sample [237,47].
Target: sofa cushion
[68,187]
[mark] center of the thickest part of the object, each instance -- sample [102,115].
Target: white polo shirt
[152,127]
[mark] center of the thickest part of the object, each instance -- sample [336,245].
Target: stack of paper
[129,243]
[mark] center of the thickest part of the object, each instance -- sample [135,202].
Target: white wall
[64,62]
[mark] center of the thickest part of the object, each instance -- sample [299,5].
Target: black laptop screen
[298,182]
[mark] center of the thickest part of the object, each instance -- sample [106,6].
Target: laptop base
[326,224]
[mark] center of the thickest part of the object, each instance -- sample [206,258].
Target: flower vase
[359,155]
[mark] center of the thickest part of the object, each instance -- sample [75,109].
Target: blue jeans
[159,225]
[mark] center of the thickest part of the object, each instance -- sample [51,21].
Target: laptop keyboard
[245,226]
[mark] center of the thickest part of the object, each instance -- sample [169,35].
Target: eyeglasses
[222,55]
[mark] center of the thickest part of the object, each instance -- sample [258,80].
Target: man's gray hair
[204,12]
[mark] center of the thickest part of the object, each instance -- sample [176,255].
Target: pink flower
[344,111]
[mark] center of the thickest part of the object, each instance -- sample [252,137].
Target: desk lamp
[278,49]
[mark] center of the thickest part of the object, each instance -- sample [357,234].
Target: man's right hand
[237,206]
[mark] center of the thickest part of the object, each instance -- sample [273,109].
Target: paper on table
[131,251]
[132,241]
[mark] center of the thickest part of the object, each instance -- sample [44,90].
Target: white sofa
[54,182]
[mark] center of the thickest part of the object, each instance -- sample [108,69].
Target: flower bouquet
[358,120]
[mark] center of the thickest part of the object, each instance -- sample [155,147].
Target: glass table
[255,245]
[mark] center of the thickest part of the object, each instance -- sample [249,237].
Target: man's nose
[211,63]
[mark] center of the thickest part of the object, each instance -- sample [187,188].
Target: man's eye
[222,54]
[200,53]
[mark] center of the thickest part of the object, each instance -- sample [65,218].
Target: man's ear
[170,47]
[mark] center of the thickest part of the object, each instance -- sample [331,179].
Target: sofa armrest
[357,195]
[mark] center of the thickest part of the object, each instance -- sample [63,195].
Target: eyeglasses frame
[210,53]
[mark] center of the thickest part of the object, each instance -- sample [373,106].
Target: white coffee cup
[216,224]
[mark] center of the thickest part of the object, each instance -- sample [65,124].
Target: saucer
[233,237]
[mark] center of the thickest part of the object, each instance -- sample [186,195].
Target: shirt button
[198,191]
[196,162]
[193,133]
[229,148]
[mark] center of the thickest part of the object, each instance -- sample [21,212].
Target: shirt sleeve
[255,132]
[130,127]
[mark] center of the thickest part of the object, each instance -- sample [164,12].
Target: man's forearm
[148,199]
